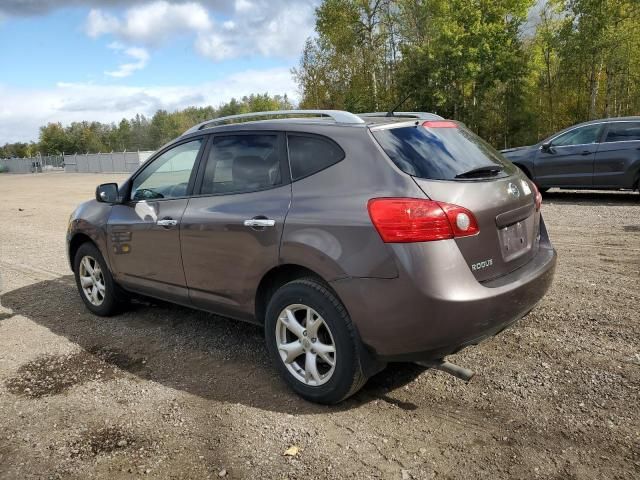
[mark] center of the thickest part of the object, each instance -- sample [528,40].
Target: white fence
[114,162]
[31,165]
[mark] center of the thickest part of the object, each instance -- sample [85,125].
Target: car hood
[519,152]
[518,149]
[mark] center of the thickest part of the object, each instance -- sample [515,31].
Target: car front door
[144,231]
[618,155]
[568,160]
[231,229]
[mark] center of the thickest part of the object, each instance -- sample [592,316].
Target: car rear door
[446,161]
[144,232]
[231,229]
[569,159]
[617,155]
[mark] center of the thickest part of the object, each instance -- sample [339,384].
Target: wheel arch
[524,168]
[76,241]
[278,276]
[285,273]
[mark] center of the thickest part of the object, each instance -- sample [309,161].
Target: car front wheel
[313,342]
[98,291]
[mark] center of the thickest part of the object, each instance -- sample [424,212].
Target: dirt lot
[167,392]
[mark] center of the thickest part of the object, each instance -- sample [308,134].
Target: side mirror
[107,193]
[547,147]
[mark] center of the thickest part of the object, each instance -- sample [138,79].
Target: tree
[138,133]
[512,70]
[54,139]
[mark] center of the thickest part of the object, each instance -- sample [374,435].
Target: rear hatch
[451,164]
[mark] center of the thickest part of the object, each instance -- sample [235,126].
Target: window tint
[310,154]
[168,175]
[437,153]
[579,136]
[623,131]
[242,163]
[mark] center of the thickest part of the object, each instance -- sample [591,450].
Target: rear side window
[309,154]
[437,153]
[623,132]
[242,163]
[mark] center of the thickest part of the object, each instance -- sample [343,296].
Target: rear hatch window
[442,150]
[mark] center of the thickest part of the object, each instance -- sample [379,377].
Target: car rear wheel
[97,289]
[313,342]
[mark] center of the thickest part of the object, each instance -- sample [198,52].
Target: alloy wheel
[92,280]
[306,345]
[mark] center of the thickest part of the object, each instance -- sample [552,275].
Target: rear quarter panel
[328,228]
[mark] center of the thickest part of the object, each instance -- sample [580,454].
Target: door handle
[259,222]
[167,222]
[586,152]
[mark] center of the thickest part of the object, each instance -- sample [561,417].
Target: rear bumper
[436,306]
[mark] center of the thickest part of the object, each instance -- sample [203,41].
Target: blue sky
[69,60]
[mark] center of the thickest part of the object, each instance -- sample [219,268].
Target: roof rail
[339,116]
[418,115]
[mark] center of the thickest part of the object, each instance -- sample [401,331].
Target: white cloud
[215,47]
[140,55]
[152,23]
[23,110]
[99,23]
[276,28]
[243,6]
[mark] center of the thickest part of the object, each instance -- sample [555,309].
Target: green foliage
[138,133]
[10,150]
[512,70]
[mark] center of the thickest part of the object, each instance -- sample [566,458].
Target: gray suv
[600,154]
[353,240]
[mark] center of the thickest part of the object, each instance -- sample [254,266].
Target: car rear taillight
[537,197]
[439,124]
[403,220]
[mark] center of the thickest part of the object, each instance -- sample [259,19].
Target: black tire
[114,299]
[348,376]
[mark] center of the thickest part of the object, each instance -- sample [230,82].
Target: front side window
[242,163]
[623,132]
[579,136]
[310,154]
[168,175]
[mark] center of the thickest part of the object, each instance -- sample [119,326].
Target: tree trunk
[595,85]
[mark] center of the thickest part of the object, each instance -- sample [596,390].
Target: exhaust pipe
[450,368]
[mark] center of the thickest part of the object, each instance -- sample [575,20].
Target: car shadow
[591,197]
[200,353]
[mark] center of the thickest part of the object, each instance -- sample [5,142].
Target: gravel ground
[163,391]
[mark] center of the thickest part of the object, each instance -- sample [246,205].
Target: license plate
[514,240]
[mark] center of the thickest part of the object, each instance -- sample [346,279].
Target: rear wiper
[486,171]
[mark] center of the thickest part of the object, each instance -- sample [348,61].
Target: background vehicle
[354,242]
[600,154]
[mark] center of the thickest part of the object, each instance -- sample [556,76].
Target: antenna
[390,112]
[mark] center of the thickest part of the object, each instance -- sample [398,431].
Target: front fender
[89,220]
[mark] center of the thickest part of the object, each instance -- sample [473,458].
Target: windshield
[441,153]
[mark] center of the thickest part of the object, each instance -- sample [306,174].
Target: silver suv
[354,240]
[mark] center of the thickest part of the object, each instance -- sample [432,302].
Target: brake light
[537,197]
[439,124]
[404,220]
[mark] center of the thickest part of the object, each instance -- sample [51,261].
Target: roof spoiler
[416,115]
